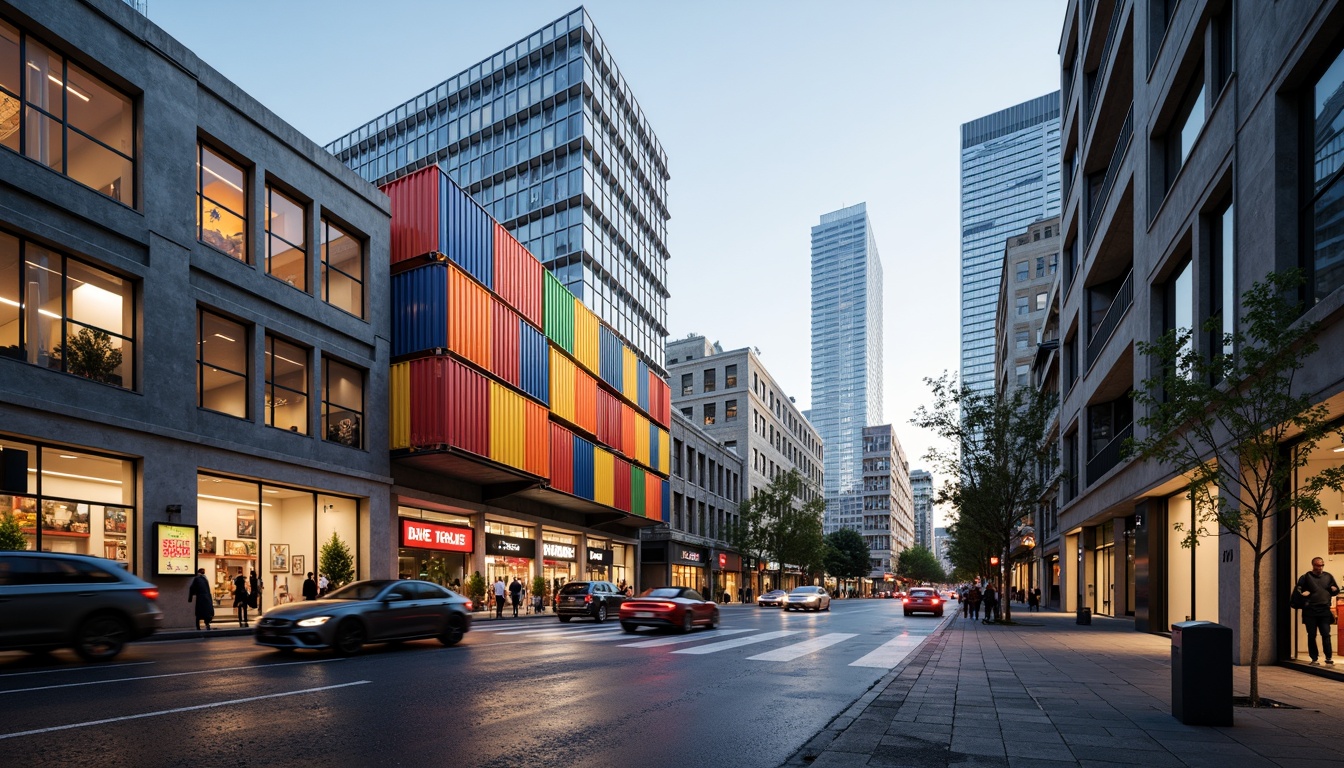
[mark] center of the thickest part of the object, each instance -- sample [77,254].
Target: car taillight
[587,598]
[152,593]
[468,606]
[905,599]
[935,601]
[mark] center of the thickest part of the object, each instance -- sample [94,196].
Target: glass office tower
[548,137]
[846,355]
[1009,178]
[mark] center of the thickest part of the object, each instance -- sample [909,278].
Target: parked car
[808,599]
[680,608]
[774,597]
[923,600]
[592,599]
[89,604]
[368,612]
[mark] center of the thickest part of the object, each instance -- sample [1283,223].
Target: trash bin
[1201,673]
[1084,615]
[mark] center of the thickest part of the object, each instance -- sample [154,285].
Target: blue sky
[771,113]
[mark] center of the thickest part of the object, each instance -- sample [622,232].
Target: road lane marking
[566,633]
[77,669]
[559,630]
[212,705]
[892,652]
[791,652]
[726,644]
[674,640]
[167,674]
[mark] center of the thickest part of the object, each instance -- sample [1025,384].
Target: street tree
[998,448]
[918,563]
[847,556]
[1220,417]
[776,525]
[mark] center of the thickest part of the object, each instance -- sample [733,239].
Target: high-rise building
[846,354]
[1009,178]
[941,540]
[888,509]
[921,491]
[548,137]
[1030,263]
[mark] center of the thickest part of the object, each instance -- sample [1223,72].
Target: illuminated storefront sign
[599,556]
[553,550]
[175,549]
[508,546]
[423,535]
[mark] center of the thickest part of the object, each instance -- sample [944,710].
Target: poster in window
[206,545]
[236,548]
[175,549]
[343,428]
[247,523]
[1335,540]
[296,567]
[280,558]
[114,520]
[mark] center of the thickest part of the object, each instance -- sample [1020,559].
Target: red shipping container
[621,481]
[450,405]
[562,459]
[538,438]
[504,357]
[627,430]
[653,497]
[608,419]
[518,276]
[660,399]
[415,214]
[585,401]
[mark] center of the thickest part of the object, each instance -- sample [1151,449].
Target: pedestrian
[1319,589]
[499,597]
[322,583]
[1021,595]
[965,599]
[254,591]
[1034,599]
[991,600]
[240,597]
[205,603]
[975,601]
[516,595]
[748,595]
[309,587]
[739,594]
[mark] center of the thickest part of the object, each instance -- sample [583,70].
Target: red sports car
[680,608]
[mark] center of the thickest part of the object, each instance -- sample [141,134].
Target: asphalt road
[513,693]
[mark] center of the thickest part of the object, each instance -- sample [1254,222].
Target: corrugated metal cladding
[629,375]
[643,375]
[660,400]
[620,483]
[584,453]
[517,276]
[613,359]
[505,356]
[608,418]
[559,310]
[562,459]
[627,445]
[415,214]
[660,501]
[585,401]
[604,472]
[449,405]
[637,491]
[534,362]
[586,338]
[641,453]
[399,406]
[508,429]
[538,439]
[655,455]
[420,310]
[562,385]
[468,318]
[466,231]
[665,453]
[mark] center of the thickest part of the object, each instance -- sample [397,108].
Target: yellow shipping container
[664,451]
[508,427]
[630,374]
[587,347]
[604,477]
[641,440]
[399,387]
[562,386]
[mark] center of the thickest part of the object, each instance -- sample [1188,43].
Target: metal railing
[1109,456]
[1123,299]
[1098,203]
[1105,54]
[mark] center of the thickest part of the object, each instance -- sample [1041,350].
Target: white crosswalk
[791,652]
[741,641]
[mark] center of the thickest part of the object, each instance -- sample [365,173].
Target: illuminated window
[342,403]
[221,213]
[286,239]
[342,269]
[221,357]
[286,386]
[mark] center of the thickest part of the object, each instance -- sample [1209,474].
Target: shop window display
[503,566]
[558,564]
[447,568]
[1322,537]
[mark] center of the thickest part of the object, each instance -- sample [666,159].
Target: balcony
[1099,79]
[1119,305]
[1108,456]
[1102,193]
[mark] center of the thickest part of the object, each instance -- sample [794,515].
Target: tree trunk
[1255,631]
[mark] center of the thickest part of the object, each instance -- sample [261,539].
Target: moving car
[808,599]
[774,597]
[680,608]
[923,600]
[368,612]
[593,599]
[92,605]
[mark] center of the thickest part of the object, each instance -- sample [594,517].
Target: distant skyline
[771,114]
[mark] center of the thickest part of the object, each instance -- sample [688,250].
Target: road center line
[212,705]
[77,669]
[167,674]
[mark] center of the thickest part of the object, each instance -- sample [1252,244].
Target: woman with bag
[1318,589]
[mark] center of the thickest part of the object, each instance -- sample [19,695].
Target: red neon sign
[423,535]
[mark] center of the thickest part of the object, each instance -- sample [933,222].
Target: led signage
[424,535]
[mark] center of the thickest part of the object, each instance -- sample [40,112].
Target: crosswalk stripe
[791,652]
[738,642]
[559,628]
[890,653]
[571,633]
[684,639]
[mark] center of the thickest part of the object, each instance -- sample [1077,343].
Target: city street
[525,692]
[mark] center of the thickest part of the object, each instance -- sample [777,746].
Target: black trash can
[1084,615]
[1201,673]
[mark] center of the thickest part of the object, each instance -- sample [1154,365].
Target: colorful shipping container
[559,310]
[585,401]
[449,405]
[505,356]
[420,310]
[534,362]
[613,358]
[431,214]
[562,458]
[629,374]
[620,483]
[468,318]
[637,491]
[604,474]
[563,373]
[584,458]
[399,406]
[517,276]
[508,427]
[537,443]
[587,340]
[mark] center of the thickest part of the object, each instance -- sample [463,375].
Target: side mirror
[392,597]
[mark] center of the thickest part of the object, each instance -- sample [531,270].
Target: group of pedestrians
[515,591]
[973,598]
[246,594]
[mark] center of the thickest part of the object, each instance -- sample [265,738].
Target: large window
[1222,279]
[1179,307]
[1185,126]
[1325,206]
[221,213]
[54,112]
[64,314]
[342,403]
[221,356]
[286,385]
[730,377]
[342,269]
[286,239]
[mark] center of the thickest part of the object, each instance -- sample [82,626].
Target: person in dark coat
[1034,599]
[516,594]
[254,591]
[240,597]
[309,587]
[205,603]
[1319,588]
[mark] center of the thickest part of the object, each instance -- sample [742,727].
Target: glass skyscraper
[846,355]
[1009,178]
[548,137]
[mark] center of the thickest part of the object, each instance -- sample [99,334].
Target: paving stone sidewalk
[1052,693]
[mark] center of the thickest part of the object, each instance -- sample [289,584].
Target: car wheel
[452,634]
[828,606]
[101,637]
[629,629]
[907,613]
[349,637]
[565,619]
[687,623]
[714,620]
[601,613]
[938,615]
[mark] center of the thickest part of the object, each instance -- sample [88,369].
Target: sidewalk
[1058,694]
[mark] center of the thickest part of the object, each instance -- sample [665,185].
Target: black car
[597,600]
[368,612]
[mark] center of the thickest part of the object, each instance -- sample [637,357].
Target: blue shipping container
[466,232]
[654,434]
[420,310]
[667,502]
[535,366]
[583,468]
[643,374]
[612,359]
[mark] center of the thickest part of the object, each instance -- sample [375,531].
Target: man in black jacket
[1319,588]
[309,587]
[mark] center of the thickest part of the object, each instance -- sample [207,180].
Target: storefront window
[441,565]
[1192,572]
[688,576]
[1322,537]
[507,567]
[559,558]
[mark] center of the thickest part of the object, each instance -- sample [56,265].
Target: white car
[808,599]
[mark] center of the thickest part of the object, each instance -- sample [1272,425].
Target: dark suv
[594,599]
[86,603]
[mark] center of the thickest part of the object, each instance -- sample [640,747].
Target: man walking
[1319,588]
[205,604]
[499,597]
[309,587]
[516,595]
[991,599]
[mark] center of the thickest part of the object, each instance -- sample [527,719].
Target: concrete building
[1200,154]
[846,354]
[940,543]
[921,493]
[1009,179]
[192,352]
[1030,263]
[547,135]
[888,506]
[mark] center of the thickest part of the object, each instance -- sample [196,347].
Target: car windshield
[360,590]
[805,591]
[921,593]
[663,592]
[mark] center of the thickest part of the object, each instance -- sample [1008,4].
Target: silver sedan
[368,612]
[808,599]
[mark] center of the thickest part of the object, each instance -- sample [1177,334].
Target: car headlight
[316,621]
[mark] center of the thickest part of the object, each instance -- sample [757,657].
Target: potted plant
[89,353]
[475,587]
[539,595]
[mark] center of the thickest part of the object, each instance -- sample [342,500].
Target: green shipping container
[637,491]
[559,311]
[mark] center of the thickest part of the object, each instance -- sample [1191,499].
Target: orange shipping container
[538,445]
[627,430]
[653,498]
[585,400]
[468,318]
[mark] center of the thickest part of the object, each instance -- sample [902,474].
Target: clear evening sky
[771,113]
